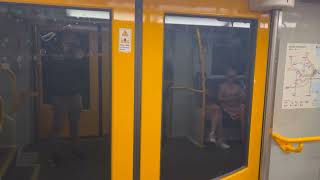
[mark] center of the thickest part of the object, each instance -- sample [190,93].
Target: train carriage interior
[196,58]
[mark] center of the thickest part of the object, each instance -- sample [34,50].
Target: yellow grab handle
[287,145]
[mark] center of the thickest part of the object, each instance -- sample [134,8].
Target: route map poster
[301,88]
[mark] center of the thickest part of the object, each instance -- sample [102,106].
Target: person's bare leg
[57,123]
[215,115]
[216,134]
[243,122]
[74,117]
[59,109]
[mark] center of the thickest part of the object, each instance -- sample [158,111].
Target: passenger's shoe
[212,137]
[223,145]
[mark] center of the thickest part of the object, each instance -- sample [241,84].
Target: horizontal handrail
[188,88]
[295,145]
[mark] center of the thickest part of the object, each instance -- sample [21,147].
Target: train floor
[181,159]
[95,165]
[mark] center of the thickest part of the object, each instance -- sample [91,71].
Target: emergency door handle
[292,145]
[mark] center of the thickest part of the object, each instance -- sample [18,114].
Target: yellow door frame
[152,61]
[122,79]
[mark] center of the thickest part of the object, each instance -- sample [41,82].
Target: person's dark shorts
[228,122]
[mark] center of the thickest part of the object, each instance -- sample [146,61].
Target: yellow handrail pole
[13,80]
[203,83]
[14,91]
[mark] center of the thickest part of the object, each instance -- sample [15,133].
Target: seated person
[230,105]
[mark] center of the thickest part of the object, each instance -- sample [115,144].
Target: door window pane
[207,92]
[58,114]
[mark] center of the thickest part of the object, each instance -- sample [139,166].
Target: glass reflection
[208,75]
[57,112]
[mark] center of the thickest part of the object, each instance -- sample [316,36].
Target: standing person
[66,74]
[230,105]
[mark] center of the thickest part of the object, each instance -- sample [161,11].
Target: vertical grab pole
[203,86]
[2,113]
[270,96]
[137,88]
